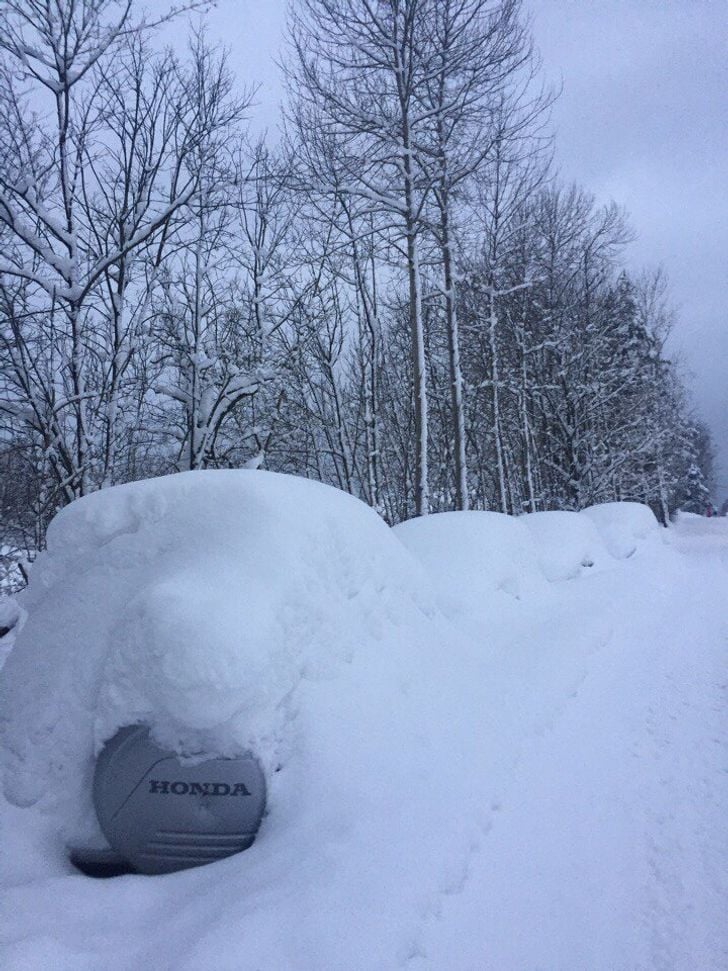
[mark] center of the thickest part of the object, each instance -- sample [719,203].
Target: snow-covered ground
[490,743]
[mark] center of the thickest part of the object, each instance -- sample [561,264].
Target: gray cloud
[643,119]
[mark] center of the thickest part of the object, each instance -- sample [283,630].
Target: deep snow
[517,762]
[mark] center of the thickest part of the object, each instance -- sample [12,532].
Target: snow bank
[624,526]
[476,558]
[567,543]
[472,556]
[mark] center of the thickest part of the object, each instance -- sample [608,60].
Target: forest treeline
[396,296]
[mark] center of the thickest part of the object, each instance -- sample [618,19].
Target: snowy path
[608,839]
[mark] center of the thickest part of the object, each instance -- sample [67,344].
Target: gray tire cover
[162,815]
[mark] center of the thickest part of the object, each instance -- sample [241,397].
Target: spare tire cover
[163,814]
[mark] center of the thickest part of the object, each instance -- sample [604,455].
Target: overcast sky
[643,120]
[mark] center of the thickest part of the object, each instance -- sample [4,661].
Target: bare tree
[202,365]
[52,181]
[481,90]
[358,66]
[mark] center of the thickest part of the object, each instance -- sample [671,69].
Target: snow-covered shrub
[13,563]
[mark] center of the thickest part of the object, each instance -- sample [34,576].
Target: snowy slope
[532,777]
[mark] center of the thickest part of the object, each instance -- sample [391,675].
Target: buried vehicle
[169,690]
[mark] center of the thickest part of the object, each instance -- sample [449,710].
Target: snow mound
[470,556]
[624,526]
[567,543]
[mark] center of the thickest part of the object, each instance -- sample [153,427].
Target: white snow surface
[10,618]
[473,762]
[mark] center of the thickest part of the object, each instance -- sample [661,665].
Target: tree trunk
[453,349]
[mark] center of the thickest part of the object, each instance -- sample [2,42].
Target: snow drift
[479,562]
[623,526]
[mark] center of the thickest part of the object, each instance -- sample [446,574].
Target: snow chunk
[624,526]
[567,543]
[473,556]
